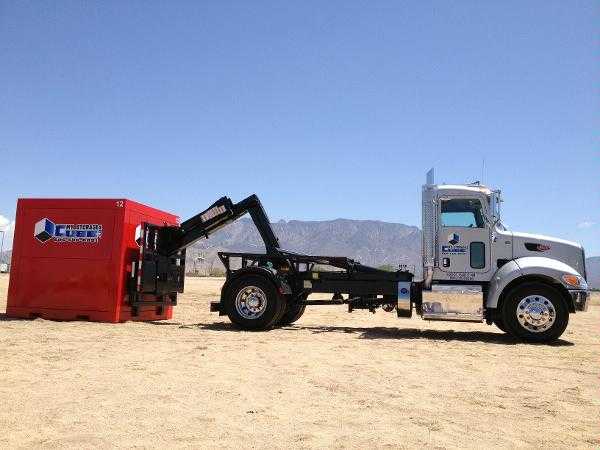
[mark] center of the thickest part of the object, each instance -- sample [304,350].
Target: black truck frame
[268,289]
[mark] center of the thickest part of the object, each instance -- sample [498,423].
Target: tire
[535,312]
[253,303]
[293,312]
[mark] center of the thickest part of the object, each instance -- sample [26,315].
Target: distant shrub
[216,272]
[194,274]
[206,272]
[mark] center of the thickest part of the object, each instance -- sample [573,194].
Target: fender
[539,266]
[269,274]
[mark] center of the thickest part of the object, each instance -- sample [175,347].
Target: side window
[462,212]
[477,253]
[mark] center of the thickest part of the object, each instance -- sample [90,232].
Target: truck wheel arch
[260,271]
[539,279]
[513,274]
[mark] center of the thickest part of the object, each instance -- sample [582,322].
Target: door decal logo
[453,249]
[46,230]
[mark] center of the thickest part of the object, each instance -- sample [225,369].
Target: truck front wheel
[535,312]
[253,303]
[500,324]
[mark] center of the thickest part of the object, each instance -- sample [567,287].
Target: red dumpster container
[71,259]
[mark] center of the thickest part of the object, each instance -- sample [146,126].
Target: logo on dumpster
[46,230]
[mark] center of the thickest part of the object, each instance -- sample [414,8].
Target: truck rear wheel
[253,303]
[293,312]
[535,312]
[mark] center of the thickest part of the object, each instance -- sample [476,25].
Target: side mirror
[494,206]
[495,201]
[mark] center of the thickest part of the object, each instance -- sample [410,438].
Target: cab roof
[457,188]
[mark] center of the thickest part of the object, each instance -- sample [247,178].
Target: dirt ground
[334,380]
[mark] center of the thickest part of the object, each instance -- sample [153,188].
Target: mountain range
[592,266]
[371,242]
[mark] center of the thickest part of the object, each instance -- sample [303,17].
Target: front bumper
[581,299]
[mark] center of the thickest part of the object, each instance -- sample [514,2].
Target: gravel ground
[333,380]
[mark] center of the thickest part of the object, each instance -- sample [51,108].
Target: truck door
[463,237]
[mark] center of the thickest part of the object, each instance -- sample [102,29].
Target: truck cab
[529,282]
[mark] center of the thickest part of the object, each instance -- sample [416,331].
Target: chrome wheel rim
[536,313]
[251,302]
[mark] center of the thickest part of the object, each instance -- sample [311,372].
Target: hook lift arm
[218,215]
[160,268]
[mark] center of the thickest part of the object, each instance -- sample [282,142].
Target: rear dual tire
[254,303]
[292,313]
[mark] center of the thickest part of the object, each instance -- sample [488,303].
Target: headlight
[575,281]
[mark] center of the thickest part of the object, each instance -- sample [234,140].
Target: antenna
[2,246]
[482,170]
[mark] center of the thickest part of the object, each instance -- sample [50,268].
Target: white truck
[529,283]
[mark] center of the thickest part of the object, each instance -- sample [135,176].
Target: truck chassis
[297,275]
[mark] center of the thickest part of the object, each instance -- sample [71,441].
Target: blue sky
[324,109]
